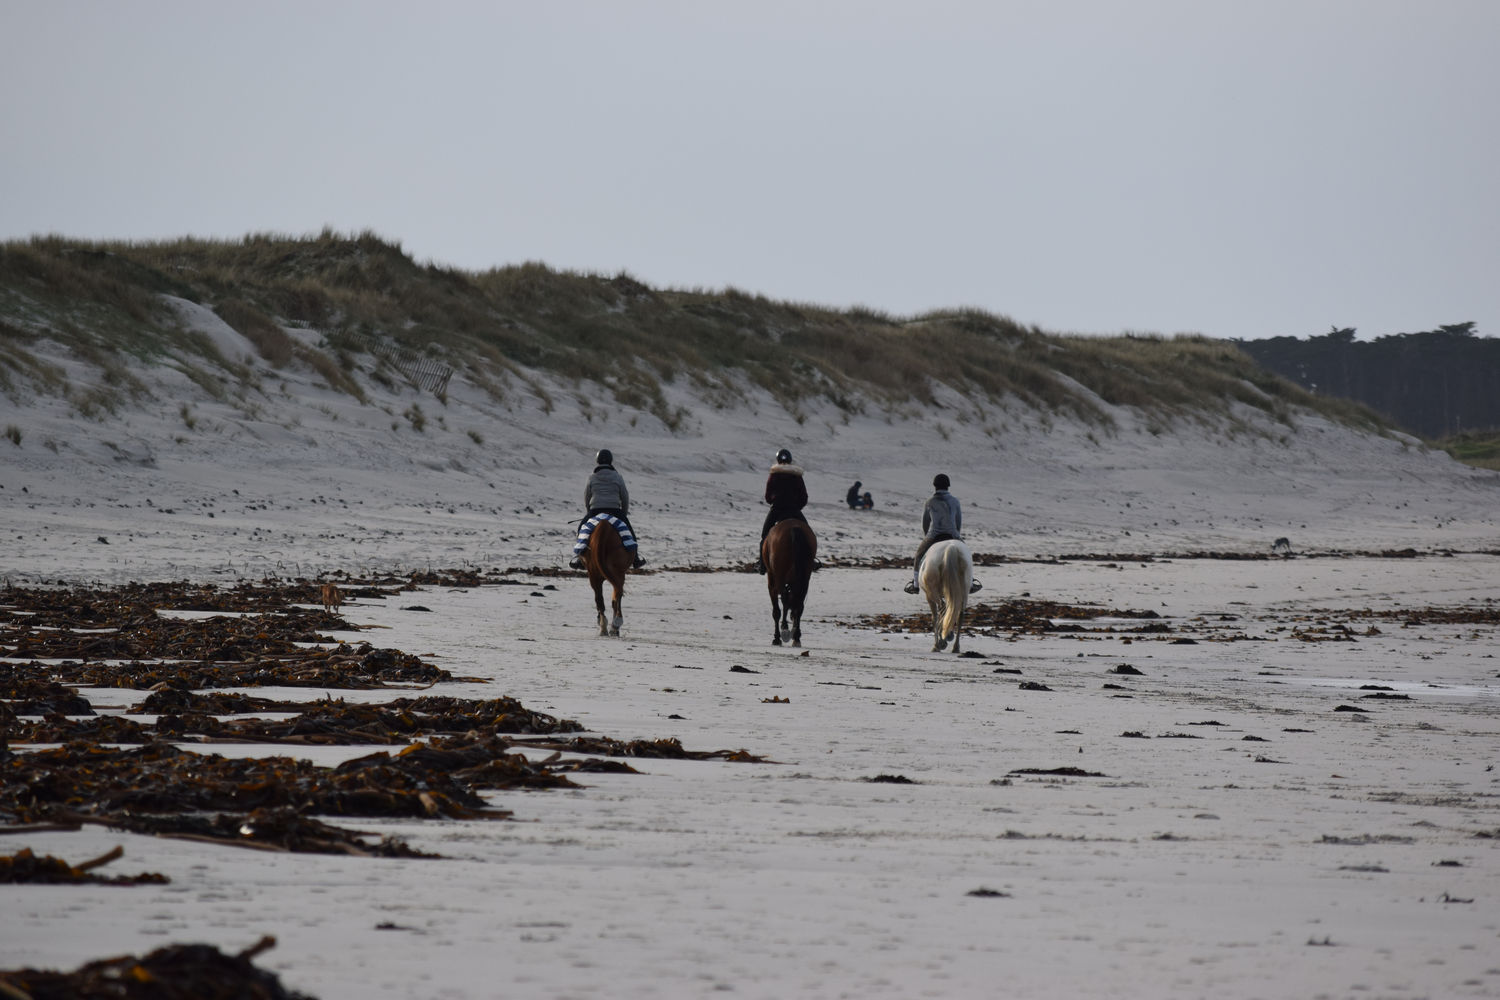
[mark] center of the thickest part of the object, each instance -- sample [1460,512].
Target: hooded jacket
[606,491]
[942,515]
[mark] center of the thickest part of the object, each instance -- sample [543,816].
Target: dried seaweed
[31,692]
[282,829]
[349,667]
[453,748]
[326,722]
[664,748]
[1017,617]
[176,972]
[266,646]
[24,866]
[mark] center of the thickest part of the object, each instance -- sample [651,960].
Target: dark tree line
[1435,383]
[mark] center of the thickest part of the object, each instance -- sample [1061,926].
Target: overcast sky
[1244,168]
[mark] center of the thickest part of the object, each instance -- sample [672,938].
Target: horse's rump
[789,548]
[947,571]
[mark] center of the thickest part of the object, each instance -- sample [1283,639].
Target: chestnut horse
[788,551]
[606,558]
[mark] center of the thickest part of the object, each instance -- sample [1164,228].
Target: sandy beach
[1282,785]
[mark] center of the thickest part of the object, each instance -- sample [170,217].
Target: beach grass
[105,299]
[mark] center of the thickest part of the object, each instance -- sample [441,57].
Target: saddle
[627,538]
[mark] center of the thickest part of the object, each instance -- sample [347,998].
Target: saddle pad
[587,528]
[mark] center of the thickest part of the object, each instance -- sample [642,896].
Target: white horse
[947,570]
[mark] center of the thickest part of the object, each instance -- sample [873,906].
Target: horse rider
[787,495]
[942,519]
[606,494]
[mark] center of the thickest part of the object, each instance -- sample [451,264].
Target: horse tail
[803,547]
[607,549]
[954,588]
[795,576]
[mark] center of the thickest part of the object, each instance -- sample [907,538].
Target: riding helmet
[784,457]
[940,481]
[605,457]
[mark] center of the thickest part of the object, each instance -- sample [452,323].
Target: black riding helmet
[940,482]
[605,457]
[784,457]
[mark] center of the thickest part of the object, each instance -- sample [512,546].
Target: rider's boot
[975,587]
[575,563]
[911,586]
[638,561]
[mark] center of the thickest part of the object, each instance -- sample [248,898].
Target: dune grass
[1480,449]
[104,300]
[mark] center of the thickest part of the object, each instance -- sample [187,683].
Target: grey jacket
[942,515]
[606,491]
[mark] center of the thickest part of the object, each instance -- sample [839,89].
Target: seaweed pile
[1020,617]
[176,972]
[134,774]
[184,715]
[106,639]
[24,866]
[1487,615]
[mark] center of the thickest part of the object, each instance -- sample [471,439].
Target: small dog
[333,598]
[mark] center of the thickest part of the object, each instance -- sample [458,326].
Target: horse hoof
[776,641]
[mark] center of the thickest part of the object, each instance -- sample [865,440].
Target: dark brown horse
[606,558]
[789,552]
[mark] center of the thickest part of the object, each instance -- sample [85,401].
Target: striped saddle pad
[590,523]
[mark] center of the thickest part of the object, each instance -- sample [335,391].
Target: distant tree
[1435,383]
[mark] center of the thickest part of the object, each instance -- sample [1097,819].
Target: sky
[1097,166]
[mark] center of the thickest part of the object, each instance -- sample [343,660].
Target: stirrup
[912,588]
[576,563]
[760,566]
[975,587]
[638,563]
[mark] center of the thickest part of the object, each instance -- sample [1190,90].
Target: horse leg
[793,605]
[939,642]
[958,627]
[775,620]
[614,625]
[598,585]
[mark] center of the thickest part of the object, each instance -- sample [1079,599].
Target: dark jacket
[785,489]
